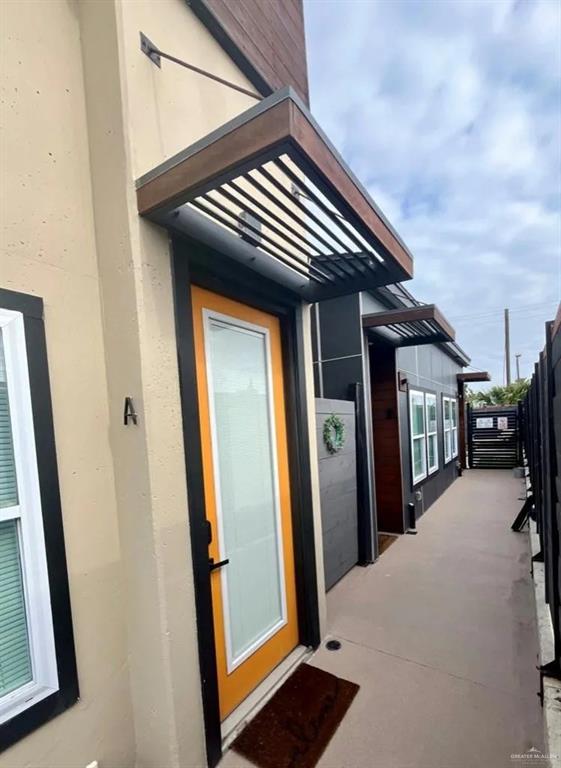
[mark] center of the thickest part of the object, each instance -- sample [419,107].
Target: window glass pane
[417,415]
[246,472]
[455,442]
[432,451]
[418,457]
[431,413]
[447,445]
[15,658]
[8,484]
[454,408]
[446,413]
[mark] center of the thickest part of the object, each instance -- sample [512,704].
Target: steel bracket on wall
[148,47]
[155,55]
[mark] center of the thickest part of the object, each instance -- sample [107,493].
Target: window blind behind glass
[8,482]
[15,658]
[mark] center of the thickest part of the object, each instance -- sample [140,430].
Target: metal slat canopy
[409,326]
[268,189]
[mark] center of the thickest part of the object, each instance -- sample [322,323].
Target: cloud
[450,114]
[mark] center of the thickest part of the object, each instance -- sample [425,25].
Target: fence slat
[541,440]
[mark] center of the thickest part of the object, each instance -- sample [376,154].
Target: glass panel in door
[239,375]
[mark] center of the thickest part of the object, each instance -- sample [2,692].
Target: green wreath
[333,433]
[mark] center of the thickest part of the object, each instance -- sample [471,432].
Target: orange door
[247,490]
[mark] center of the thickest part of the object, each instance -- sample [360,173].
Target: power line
[476,321]
[521,308]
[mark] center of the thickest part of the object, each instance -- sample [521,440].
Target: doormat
[385,540]
[295,726]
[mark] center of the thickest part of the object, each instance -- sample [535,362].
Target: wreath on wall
[333,433]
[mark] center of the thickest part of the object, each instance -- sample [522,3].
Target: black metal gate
[493,441]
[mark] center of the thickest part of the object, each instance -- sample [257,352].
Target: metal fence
[493,437]
[540,417]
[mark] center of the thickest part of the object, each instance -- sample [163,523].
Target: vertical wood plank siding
[270,35]
[387,450]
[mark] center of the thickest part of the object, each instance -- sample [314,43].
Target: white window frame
[413,394]
[28,514]
[454,427]
[431,397]
[450,433]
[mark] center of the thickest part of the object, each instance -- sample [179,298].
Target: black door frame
[194,263]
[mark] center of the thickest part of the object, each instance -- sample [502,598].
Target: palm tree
[510,394]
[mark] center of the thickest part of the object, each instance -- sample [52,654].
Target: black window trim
[67,694]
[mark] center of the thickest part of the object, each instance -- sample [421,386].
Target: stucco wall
[48,249]
[88,113]
[170,108]
[132,115]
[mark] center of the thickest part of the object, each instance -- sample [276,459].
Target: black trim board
[367,536]
[300,480]
[27,721]
[197,517]
[30,306]
[194,263]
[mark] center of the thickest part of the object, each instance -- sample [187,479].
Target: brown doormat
[385,540]
[295,726]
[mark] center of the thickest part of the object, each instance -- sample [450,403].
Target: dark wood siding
[387,448]
[264,37]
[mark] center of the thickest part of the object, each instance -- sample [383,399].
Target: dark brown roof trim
[470,376]
[412,326]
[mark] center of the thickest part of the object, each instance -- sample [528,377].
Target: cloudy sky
[449,112]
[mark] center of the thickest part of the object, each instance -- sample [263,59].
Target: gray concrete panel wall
[338,492]
[430,369]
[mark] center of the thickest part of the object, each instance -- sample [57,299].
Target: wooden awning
[410,326]
[271,178]
[470,376]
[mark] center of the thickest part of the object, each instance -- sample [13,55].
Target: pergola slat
[277,149]
[413,326]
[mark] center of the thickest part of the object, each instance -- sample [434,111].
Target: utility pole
[517,366]
[507,346]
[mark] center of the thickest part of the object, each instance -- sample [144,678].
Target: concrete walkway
[441,636]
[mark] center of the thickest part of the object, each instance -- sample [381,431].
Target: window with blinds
[432,444]
[28,670]
[423,424]
[418,435]
[15,658]
[450,433]
[8,484]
